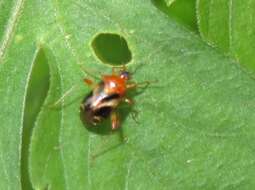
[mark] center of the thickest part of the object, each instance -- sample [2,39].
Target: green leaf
[182,11]
[5,13]
[17,56]
[45,160]
[169,2]
[230,26]
[35,98]
[196,125]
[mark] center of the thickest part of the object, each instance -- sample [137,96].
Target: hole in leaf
[111,49]
[38,87]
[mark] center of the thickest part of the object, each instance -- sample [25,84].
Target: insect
[106,96]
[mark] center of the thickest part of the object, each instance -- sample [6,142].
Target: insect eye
[125,75]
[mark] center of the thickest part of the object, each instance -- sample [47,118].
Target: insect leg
[134,113]
[143,84]
[67,93]
[114,70]
[89,82]
[115,120]
[129,101]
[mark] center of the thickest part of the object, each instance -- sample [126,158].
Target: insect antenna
[89,72]
[144,60]
[140,64]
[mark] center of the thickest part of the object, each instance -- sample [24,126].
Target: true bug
[105,97]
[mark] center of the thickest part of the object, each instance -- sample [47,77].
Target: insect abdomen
[98,105]
[103,112]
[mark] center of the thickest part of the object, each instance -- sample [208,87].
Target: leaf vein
[128,174]
[88,164]
[68,45]
[17,9]
[61,124]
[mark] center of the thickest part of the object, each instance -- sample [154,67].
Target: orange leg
[115,120]
[89,82]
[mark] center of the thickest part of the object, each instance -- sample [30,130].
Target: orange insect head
[115,84]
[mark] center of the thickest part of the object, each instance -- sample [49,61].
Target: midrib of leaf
[17,8]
